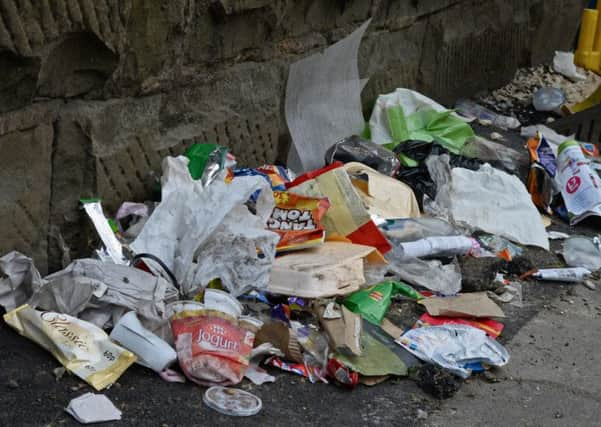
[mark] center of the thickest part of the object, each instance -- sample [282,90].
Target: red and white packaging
[213,347]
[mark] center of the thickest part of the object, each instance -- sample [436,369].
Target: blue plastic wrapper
[276,176]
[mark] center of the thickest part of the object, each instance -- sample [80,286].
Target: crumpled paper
[101,292]
[323,101]
[93,408]
[487,199]
[19,279]
[207,233]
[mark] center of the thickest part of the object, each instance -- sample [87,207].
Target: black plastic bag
[357,149]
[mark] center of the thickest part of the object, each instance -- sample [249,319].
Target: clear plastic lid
[232,401]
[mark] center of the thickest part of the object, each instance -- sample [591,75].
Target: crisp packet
[313,373]
[543,168]
[297,219]
[80,346]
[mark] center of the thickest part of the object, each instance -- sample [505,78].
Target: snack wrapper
[81,347]
[543,168]
[492,328]
[297,219]
[347,215]
[212,347]
[313,373]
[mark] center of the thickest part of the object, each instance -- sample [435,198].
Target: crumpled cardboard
[474,304]
[278,334]
[344,333]
[382,195]
[336,268]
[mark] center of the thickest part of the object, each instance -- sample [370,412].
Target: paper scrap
[93,408]
[475,304]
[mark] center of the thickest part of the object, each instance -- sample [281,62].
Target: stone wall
[95,92]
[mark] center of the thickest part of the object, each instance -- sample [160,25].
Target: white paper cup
[152,351]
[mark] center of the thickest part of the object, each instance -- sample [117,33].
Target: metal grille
[586,125]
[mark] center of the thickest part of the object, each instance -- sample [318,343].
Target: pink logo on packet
[573,184]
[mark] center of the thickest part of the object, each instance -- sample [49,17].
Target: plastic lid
[567,144]
[232,401]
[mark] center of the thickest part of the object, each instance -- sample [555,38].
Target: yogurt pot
[217,300]
[251,323]
[179,306]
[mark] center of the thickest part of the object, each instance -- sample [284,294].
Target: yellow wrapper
[83,348]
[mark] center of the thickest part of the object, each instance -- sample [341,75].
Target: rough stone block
[25,174]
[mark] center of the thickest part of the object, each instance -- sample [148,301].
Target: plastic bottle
[579,183]
[548,99]
[436,246]
[470,109]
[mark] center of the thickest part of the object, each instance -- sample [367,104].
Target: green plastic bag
[428,125]
[372,303]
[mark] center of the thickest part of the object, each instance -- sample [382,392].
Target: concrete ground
[553,378]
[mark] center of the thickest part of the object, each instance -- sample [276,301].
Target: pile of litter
[238,272]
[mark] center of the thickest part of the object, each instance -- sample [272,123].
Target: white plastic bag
[442,278]
[409,100]
[453,347]
[206,233]
[487,199]
[563,63]
[582,252]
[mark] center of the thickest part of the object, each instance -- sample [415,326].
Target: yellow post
[586,39]
[597,43]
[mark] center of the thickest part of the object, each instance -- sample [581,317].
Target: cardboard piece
[279,335]
[381,355]
[391,329]
[382,195]
[373,380]
[475,304]
[347,215]
[344,333]
[336,268]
